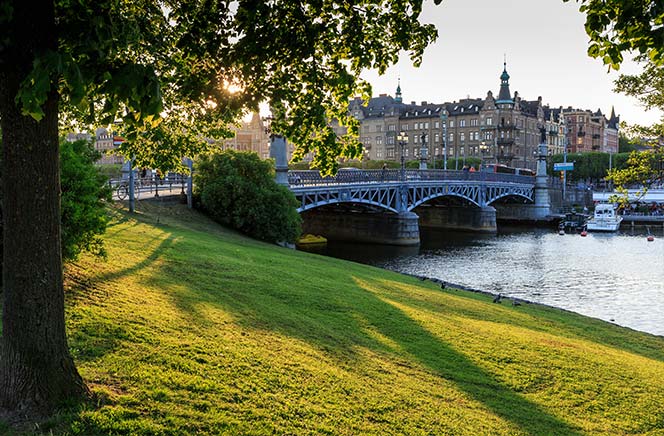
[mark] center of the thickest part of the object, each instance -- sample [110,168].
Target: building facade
[505,129]
[591,131]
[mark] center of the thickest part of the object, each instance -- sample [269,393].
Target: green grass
[189,328]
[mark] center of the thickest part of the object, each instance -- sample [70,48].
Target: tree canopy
[619,26]
[177,72]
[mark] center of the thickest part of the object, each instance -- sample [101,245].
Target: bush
[84,194]
[237,189]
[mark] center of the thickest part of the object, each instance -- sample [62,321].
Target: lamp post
[443,121]
[565,145]
[424,151]
[402,139]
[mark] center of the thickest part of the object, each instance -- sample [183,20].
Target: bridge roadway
[401,191]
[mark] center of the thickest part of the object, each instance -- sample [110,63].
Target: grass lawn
[189,328]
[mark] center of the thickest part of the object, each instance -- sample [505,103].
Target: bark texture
[37,372]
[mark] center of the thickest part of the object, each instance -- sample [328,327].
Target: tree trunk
[36,370]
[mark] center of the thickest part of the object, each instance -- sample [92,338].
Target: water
[614,277]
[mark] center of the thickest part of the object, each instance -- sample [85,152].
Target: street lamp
[443,121]
[424,151]
[402,139]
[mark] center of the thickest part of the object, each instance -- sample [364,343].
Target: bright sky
[545,44]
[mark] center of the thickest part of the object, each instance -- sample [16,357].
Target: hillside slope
[188,328]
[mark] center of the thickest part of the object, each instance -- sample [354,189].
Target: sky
[543,41]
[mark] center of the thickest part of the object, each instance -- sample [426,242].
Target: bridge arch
[508,194]
[311,206]
[428,198]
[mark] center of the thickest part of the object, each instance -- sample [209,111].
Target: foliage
[178,73]
[618,26]
[637,26]
[212,333]
[85,193]
[238,189]
[589,166]
[643,170]
[627,144]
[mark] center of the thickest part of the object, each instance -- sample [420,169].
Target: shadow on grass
[335,319]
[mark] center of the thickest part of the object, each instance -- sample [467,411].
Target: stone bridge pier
[361,226]
[463,218]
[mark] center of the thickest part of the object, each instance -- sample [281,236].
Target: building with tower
[505,130]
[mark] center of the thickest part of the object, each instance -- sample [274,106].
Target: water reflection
[616,277]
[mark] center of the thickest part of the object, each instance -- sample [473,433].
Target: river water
[614,277]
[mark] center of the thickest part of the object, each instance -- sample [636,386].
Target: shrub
[84,194]
[237,189]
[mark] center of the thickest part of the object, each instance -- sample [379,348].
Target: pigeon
[497,298]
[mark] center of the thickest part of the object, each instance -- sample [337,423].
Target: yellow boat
[311,240]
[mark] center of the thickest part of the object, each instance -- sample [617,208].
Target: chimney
[424,103]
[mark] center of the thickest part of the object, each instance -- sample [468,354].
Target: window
[390,153]
[436,137]
[435,151]
[404,127]
[390,140]
[436,125]
[379,140]
[451,137]
[473,122]
[405,151]
[462,137]
[462,123]
[416,139]
[451,123]
[489,121]
[392,127]
[379,153]
[426,126]
[462,151]
[379,128]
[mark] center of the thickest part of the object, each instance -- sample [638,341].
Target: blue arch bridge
[390,206]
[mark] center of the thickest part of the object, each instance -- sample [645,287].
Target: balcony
[581,134]
[505,141]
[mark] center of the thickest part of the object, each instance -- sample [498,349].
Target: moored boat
[605,219]
[311,240]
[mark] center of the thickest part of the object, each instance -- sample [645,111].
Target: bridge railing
[344,176]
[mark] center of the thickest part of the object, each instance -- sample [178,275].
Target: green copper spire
[504,96]
[397,97]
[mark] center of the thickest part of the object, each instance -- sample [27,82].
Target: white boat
[605,219]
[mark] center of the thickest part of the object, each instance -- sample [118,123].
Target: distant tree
[175,73]
[626,144]
[591,166]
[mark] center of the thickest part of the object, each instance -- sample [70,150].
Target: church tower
[397,97]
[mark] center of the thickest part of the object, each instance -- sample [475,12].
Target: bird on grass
[442,285]
[497,298]
[516,302]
